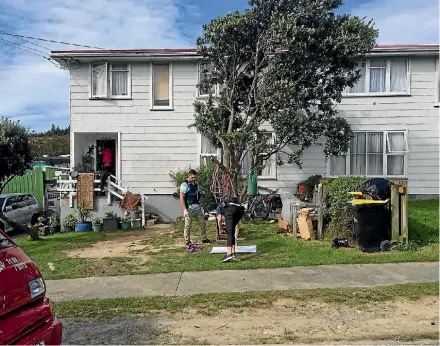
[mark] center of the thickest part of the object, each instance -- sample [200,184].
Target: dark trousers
[233,215]
[105,173]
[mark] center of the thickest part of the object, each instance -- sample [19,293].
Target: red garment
[107,157]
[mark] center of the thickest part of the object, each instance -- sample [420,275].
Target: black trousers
[105,173]
[233,215]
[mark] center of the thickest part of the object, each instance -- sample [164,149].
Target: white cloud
[403,21]
[32,88]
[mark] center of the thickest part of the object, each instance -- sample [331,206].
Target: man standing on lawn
[190,204]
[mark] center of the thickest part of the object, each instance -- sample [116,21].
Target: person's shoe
[206,241]
[234,255]
[227,258]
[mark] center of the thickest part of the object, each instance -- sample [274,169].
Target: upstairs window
[382,76]
[110,80]
[379,153]
[161,83]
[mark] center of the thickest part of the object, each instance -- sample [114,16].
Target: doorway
[101,144]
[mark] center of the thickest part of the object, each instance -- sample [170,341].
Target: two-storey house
[140,103]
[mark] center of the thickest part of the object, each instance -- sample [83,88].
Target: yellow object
[369,201]
[357,193]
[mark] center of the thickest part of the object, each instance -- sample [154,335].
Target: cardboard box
[305,225]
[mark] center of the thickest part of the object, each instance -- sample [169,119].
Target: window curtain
[375,154]
[267,170]
[359,87]
[99,85]
[207,148]
[358,154]
[396,163]
[398,70]
[337,165]
[161,81]
[396,141]
[119,80]
[246,163]
[378,73]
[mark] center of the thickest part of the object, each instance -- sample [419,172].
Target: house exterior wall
[416,113]
[154,142]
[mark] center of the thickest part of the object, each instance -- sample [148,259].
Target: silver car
[22,208]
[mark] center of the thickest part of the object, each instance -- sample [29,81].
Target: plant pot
[54,229]
[110,224]
[43,231]
[83,226]
[68,229]
[98,227]
[126,225]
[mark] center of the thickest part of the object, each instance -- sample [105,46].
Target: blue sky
[36,92]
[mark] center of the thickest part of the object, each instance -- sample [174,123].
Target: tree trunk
[31,231]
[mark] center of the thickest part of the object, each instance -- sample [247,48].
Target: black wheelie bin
[373,216]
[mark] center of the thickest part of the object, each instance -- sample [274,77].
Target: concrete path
[187,283]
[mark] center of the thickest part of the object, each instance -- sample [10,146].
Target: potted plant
[125,223]
[110,222]
[97,225]
[83,223]
[42,224]
[69,223]
[54,224]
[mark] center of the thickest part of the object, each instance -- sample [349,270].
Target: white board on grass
[238,249]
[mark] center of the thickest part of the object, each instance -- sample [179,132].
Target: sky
[36,92]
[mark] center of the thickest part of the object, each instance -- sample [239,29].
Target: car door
[24,209]
[34,208]
[10,210]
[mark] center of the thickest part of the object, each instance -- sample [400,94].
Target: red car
[26,314]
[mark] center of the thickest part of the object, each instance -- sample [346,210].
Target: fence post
[404,213]
[320,211]
[395,213]
[39,184]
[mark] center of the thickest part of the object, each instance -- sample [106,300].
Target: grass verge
[212,303]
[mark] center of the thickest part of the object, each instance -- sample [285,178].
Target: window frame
[202,155]
[109,83]
[385,154]
[273,162]
[170,85]
[110,78]
[437,82]
[387,91]
[216,87]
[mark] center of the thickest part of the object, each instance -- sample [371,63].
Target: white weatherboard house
[141,102]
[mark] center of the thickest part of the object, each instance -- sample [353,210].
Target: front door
[101,144]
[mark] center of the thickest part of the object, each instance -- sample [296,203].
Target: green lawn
[274,250]
[212,303]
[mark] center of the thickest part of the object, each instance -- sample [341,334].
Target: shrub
[337,196]
[204,180]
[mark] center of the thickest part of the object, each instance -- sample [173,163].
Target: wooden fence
[31,182]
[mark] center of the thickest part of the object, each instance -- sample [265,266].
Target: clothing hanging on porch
[85,189]
[130,201]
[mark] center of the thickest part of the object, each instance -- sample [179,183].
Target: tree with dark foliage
[284,64]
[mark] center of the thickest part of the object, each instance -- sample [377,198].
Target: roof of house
[191,53]
[408,47]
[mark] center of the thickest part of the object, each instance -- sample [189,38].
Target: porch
[85,151]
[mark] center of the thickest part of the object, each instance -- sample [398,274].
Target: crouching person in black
[234,211]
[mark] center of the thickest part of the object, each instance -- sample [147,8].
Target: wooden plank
[404,217]
[294,224]
[320,211]
[395,213]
